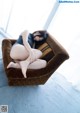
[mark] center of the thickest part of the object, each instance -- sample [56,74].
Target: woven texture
[53,53]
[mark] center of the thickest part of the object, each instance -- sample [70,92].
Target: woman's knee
[18,52]
[12,54]
[37,52]
[38,64]
[43,63]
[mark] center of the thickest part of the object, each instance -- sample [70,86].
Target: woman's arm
[25,35]
[32,56]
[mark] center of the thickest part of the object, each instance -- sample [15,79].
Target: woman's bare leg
[24,64]
[38,64]
[33,53]
[13,65]
[18,52]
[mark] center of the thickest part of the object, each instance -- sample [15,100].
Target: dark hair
[40,33]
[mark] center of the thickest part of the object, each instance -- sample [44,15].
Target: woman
[25,54]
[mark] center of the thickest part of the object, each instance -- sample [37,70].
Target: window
[25,14]
[65,27]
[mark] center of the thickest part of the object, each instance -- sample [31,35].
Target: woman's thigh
[38,64]
[18,52]
[37,53]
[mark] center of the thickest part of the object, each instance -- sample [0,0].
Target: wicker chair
[53,53]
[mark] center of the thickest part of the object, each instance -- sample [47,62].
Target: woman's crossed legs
[23,61]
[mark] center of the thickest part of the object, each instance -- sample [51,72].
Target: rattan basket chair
[53,53]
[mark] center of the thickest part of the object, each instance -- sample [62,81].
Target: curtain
[65,27]
[18,15]
[5,8]
[28,14]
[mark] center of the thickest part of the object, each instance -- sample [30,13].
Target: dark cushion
[47,51]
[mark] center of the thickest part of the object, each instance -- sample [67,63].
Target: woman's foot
[13,65]
[24,66]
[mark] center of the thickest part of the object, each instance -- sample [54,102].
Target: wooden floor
[56,96]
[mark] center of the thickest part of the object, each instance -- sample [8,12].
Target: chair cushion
[47,51]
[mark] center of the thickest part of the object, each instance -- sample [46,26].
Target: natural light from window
[25,14]
[65,27]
